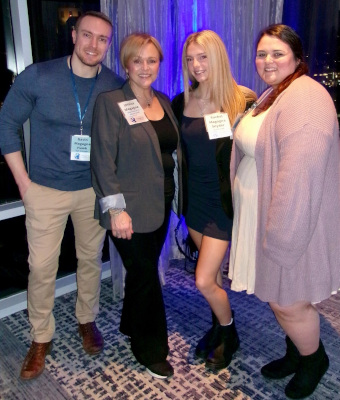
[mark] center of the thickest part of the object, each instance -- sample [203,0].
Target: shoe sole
[93,353]
[277,377]
[217,367]
[23,378]
[154,375]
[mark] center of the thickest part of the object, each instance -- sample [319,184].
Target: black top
[168,143]
[223,151]
[205,213]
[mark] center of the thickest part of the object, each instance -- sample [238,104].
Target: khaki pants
[47,211]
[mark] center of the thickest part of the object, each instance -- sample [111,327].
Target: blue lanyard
[81,115]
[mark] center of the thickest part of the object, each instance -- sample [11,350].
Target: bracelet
[115,211]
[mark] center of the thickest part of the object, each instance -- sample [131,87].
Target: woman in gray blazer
[135,149]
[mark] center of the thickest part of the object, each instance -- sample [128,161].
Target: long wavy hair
[223,89]
[292,39]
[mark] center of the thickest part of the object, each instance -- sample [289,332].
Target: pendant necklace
[148,100]
[205,102]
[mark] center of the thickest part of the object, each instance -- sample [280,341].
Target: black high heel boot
[308,375]
[204,345]
[284,366]
[225,343]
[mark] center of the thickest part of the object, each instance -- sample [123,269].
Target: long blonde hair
[224,90]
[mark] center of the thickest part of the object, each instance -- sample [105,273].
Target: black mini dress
[205,213]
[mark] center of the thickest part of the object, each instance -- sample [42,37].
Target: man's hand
[17,166]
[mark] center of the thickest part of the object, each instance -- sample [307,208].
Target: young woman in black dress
[208,205]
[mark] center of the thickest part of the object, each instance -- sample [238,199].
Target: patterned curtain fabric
[171,21]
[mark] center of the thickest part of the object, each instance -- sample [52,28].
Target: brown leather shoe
[93,341]
[34,362]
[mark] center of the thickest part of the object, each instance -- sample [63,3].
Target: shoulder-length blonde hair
[132,44]
[223,88]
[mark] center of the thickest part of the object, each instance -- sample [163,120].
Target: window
[8,188]
[51,24]
[318,24]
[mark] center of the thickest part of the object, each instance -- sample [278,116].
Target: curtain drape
[171,21]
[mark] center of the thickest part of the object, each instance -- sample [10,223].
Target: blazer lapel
[146,126]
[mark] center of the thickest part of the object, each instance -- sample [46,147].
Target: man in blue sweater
[58,98]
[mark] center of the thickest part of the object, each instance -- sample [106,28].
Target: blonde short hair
[223,88]
[132,45]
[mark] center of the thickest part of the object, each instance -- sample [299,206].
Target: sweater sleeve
[16,110]
[304,131]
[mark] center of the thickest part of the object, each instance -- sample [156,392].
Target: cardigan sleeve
[304,133]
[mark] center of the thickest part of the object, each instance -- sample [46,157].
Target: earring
[127,75]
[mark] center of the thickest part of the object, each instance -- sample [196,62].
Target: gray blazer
[126,159]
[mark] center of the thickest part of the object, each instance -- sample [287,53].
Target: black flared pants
[143,315]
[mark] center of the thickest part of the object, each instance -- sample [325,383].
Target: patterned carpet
[114,374]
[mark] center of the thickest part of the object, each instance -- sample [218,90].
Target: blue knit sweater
[44,94]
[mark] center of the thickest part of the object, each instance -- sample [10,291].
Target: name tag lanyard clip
[250,109]
[257,103]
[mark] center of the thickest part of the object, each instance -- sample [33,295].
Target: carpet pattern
[115,374]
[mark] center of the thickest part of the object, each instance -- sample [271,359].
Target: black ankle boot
[284,366]
[225,343]
[204,345]
[308,375]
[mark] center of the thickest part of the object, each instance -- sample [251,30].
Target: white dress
[245,197]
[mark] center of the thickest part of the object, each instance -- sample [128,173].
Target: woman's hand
[121,226]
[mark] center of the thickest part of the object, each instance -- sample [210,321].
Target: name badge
[217,125]
[80,147]
[133,112]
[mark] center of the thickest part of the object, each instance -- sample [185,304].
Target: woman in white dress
[285,177]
